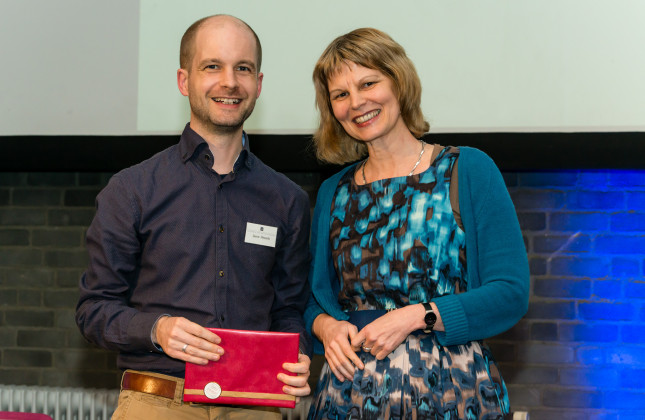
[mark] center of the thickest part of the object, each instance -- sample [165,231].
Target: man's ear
[182,81]
[260,78]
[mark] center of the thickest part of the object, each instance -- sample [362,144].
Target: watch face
[430,319]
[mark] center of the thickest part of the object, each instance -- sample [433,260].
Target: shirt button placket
[221,251]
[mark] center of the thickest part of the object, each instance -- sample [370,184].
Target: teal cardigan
[498,273]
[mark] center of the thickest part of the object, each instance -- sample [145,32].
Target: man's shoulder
[140,178]
[162,160]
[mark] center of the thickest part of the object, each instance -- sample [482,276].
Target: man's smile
[227,101]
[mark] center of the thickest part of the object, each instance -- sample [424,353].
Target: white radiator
[99,404]
[60,403]
[85,404]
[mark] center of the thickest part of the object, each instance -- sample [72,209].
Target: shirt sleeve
[497,262]
[102,313]
[289,274]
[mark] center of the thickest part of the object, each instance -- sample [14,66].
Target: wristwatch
[430,318]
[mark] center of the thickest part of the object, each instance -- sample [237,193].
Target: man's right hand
[174,333]
[336,336]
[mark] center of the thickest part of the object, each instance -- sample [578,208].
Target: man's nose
[229,78]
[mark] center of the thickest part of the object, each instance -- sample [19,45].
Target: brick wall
[578,354]
[43,218]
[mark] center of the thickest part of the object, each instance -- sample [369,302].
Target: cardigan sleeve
[322,274]
[313,309]
[497,264]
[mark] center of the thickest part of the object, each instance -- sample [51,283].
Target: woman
[403,291]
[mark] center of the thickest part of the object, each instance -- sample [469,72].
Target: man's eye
[244,68]
[212,67]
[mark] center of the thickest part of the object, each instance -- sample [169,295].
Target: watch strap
[430,318]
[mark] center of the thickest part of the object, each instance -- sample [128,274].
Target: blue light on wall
[585,236]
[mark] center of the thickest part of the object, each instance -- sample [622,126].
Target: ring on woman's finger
[367,349]
[184,348]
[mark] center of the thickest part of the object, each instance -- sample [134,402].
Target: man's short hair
[187,47]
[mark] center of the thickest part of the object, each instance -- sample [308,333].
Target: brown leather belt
[140,382]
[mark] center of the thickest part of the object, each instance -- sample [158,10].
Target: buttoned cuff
[153,334]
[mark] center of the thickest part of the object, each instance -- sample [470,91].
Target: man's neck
[225,147]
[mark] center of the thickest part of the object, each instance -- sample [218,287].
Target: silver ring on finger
[367,349]
[184,348]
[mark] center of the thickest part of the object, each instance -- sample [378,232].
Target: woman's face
[364,103]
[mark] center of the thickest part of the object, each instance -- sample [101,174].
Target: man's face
[223,82]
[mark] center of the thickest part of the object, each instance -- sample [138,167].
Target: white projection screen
[88,67]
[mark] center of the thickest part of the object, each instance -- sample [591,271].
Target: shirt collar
[190,142]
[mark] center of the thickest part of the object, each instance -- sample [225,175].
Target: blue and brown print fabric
[395,242]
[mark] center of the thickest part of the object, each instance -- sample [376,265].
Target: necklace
[423,149]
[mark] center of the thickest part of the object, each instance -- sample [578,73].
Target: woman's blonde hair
[376,50]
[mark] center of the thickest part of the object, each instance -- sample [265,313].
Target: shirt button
[206,157]
[219,187]
[222,318]
[221,273]
[221,228]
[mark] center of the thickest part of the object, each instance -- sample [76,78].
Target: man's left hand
[297,385]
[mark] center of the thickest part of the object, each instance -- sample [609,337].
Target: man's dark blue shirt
[171,236]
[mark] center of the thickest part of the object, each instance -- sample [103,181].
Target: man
[170,250]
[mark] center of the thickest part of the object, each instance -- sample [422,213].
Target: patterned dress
[396,242]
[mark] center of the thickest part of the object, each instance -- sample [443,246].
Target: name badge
[260,234]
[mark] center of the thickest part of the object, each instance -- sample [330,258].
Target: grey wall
[68,66]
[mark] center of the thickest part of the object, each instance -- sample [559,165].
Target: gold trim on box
[234,394]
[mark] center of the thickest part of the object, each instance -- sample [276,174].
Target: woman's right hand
[336,336]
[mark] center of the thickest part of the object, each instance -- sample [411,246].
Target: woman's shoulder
[333,180]
[475,165]
[474,156]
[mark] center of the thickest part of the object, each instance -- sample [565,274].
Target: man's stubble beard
[217,126]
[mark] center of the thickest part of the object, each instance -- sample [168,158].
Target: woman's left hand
[385,333]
